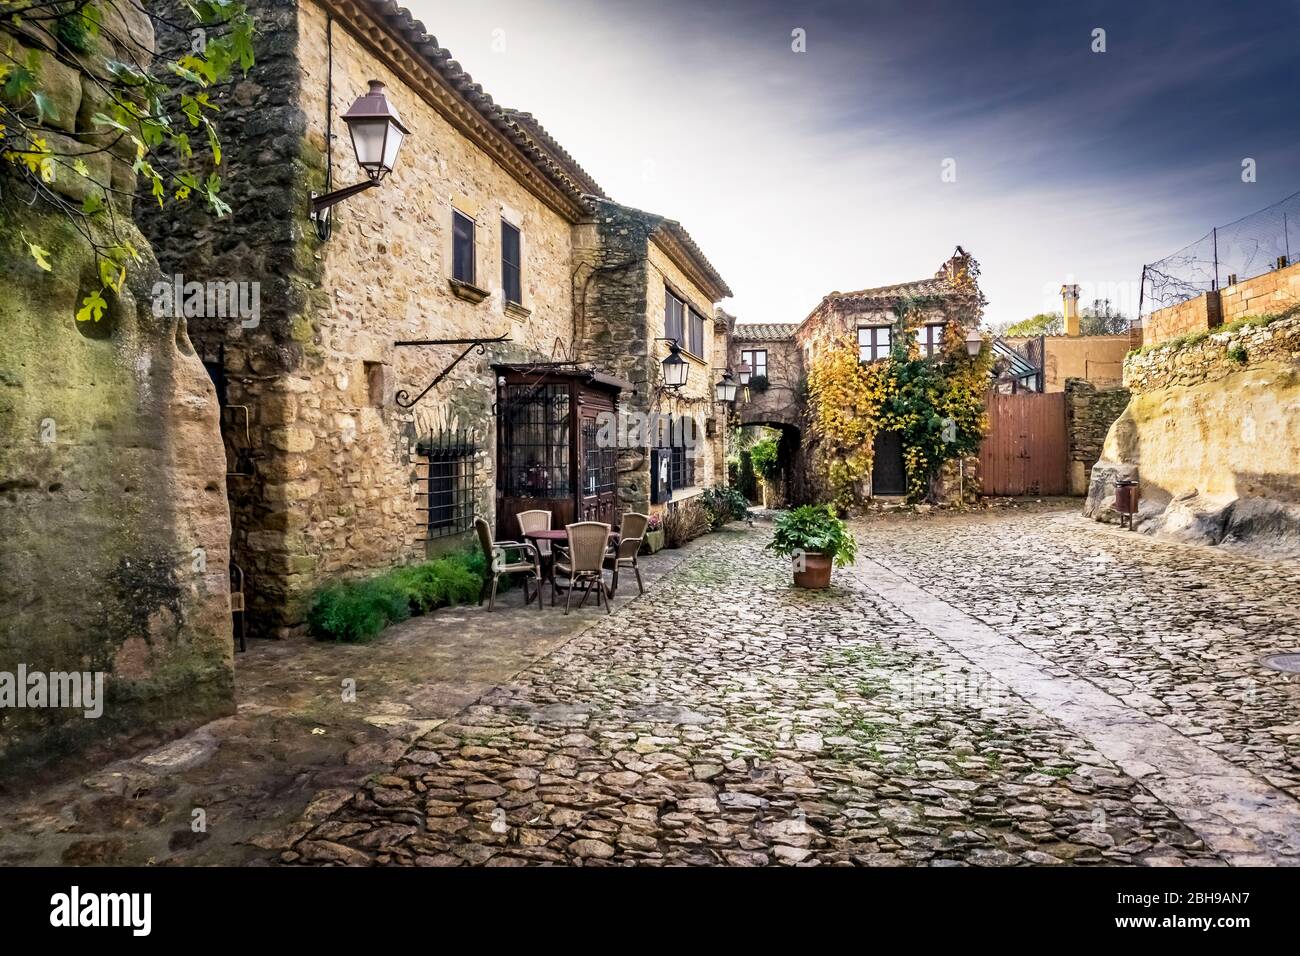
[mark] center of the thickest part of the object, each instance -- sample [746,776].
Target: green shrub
[1238,354]
[758,383]
[813,529]
[355,611]
[763,456]
[723,505]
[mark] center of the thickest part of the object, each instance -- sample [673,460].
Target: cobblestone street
[728,718]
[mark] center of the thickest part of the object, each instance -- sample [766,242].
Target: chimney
[1070,299]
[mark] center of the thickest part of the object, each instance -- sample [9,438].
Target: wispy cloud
[800,173]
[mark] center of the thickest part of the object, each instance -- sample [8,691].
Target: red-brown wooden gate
[1025,451]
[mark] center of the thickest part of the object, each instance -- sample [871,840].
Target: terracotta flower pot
[816,573]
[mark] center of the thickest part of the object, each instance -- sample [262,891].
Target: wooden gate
[1025,452]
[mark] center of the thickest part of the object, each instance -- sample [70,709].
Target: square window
[873,342]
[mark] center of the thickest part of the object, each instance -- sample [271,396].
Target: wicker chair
[535,521]
[624,554]
[582,563]
[499,562]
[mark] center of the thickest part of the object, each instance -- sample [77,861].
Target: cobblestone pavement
[1173,631]
[728,718]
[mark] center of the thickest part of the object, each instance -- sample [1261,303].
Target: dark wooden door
[887,474]
[1025,451]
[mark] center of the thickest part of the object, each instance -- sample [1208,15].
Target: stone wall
[1265,294]
[113,510]
[1186,318]
[1089,413]
[1213,435]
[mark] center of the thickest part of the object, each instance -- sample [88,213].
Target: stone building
[113,515]
[784,353]
[352,447]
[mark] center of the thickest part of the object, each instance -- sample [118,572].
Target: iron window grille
[462,247]
[598,467]
[534,441]
[449,482]
[511,264]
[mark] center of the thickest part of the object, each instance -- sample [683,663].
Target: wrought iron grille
[449,482]
[534,441]
[598,463]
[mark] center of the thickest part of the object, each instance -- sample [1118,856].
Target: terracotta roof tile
[763,331]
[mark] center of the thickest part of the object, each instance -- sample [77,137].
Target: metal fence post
[1215,232]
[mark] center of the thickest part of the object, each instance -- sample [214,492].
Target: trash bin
[1126,501]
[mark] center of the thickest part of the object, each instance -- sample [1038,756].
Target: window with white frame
[756,359]
[873,342]
[929,338]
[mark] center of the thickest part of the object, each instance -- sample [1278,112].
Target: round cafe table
[555,536]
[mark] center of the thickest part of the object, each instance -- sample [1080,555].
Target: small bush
[758,383]
[1238,354]
[355,611]
[684,522]
[763,456]
[723,505]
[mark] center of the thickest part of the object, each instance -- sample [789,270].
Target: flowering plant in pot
[814,539]
[654,534]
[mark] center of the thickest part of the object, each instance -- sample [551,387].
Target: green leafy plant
[151,104]
[356,611]
[813,529]
[723,505]
[1238,354]
[763,457]
[759,383]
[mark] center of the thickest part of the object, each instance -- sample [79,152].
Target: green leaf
[44,107]
[92,308]
[41,255]
[93,203]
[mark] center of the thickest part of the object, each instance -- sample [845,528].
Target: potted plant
[814,539]
[654,534]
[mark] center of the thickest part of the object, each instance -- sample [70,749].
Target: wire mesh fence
[1255,244]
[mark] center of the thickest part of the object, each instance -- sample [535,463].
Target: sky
[802,173]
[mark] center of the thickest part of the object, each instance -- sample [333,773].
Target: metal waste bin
[1126,501]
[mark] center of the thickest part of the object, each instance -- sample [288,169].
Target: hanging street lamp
[725,390]
[377,133]
[974,342]
[745,372]
[675,367]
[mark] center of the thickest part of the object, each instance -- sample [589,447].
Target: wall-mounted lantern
[377,133]
[974,342]
[725,390]
[675,367]
[745,372]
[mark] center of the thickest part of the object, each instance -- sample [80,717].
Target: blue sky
[803,173]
